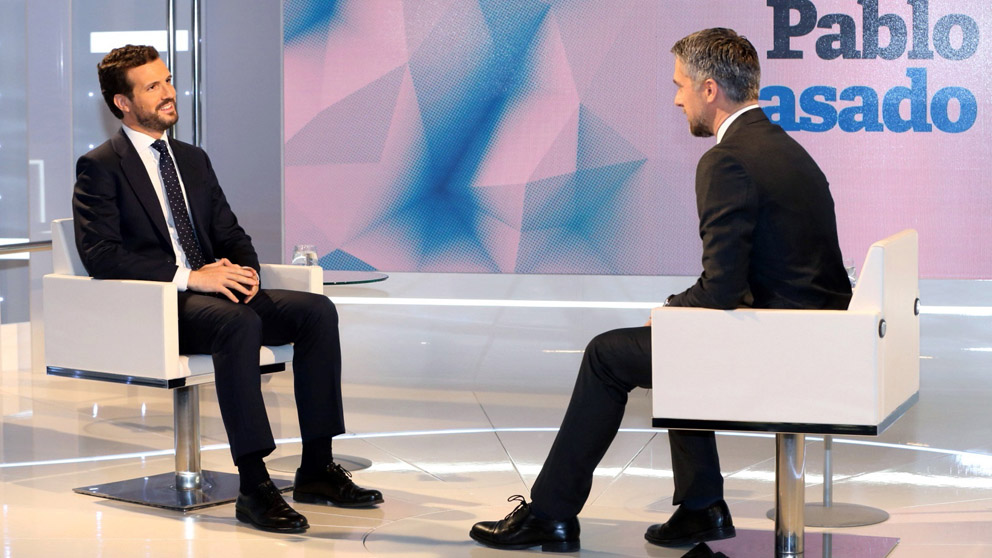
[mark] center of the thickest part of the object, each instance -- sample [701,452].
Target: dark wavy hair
[112,72]
[723,55]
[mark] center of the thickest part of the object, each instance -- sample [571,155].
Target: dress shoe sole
[304,498]
[716,534]
[245,518]
[556,546]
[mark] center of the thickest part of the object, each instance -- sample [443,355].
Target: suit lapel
[141,185]
[197,197]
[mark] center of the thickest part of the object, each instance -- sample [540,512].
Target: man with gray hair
[766,220]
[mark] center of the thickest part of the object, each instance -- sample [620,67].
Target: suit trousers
[615,363]
[232,333]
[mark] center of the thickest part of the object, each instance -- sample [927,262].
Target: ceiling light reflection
[503,303]
[91,459]
[414,301]
[978,464]
[888,478]
[956,310]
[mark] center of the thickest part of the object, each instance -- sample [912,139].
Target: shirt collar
[139,140]
[730,120]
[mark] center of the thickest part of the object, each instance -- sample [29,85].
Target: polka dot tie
[177,203]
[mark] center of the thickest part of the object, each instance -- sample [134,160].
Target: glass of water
[304,254]
[852,271]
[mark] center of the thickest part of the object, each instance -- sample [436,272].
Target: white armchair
[795,372]
[127,332]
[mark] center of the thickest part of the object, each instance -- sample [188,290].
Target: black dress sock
[317,455]
[536,512]
[251,471]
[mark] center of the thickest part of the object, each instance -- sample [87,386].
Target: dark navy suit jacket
[766,218]
[120,228]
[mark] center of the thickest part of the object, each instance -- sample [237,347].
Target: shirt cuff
[181,279]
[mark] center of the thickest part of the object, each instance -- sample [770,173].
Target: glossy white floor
[456,408]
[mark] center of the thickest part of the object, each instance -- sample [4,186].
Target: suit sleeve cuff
[181,279]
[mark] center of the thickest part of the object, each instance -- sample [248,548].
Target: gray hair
[726,57]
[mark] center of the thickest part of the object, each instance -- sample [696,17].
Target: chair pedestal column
[788,539]
[790,494]
[188,487]
[186,413]
[832,514]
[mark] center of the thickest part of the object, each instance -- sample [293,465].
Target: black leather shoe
[693,526]
[701,550]
[333,487]
[522,529]
[264,508]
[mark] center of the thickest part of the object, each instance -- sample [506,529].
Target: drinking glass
[304,254]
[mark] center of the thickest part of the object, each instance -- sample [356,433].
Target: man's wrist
[181,279]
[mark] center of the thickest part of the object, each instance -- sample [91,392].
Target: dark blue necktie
[177,203]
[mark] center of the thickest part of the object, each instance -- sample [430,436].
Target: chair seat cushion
[194,365]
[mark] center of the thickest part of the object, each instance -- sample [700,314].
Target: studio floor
[446,458]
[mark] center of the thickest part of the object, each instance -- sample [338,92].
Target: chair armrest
[790,366]
[308,278]
[112,326]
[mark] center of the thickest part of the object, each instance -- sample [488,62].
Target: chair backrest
[889,283]
[65,256]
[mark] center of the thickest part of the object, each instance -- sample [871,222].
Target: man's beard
[698,128]
[154,121]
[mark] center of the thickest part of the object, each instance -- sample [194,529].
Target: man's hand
[224,277]
[255,287]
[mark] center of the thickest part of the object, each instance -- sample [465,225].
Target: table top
[339,277]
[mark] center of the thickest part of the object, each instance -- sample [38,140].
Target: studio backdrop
[539,136]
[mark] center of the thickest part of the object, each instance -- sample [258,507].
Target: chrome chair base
[761,544]
[840,515]
[160,491]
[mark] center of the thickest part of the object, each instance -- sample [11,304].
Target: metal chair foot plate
[839,515]
[160,491]
[761,544]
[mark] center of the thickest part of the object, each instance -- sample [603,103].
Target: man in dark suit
[766,219]
[150,208]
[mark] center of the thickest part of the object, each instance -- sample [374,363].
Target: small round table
[336,277]
[333,277]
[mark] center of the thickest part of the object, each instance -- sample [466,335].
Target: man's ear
[122,103]
[710,89]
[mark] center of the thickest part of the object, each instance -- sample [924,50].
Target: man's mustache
[165,102]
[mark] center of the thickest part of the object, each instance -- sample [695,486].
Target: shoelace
[270,495]
[516,498]
[339,469]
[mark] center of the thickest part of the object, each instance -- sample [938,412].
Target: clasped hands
[224,277]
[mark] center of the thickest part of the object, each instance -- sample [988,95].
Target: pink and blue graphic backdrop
[530,136]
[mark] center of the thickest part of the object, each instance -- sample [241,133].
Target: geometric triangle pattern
[304,20]
[331,136]
[489,139]
[341,260]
